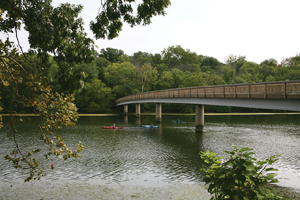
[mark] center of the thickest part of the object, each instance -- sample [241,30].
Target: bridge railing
[270,90]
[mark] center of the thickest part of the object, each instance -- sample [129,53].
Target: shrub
[239,178]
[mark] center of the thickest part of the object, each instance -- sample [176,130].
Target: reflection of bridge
[283,95]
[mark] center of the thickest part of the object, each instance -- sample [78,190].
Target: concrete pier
[126,109]
[158,112]
[138,110]
[199,118]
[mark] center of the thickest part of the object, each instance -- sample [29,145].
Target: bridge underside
[272,104]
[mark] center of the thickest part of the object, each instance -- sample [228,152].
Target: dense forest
[112,74]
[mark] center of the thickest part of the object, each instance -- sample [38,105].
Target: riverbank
[118,114]
[84,190]
[69,190]
[286,192]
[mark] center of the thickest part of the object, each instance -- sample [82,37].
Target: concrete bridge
[283,95]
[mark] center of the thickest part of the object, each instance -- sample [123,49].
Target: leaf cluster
[109,21]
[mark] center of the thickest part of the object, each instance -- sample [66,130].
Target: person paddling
[114,125]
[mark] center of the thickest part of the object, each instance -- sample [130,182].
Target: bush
[241,177]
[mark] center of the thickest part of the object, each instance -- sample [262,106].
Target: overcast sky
[257,29]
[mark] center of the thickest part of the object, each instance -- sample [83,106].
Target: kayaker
[151,124]
[114,125]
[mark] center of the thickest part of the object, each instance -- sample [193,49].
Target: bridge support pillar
[158,112]
[138,109]
[199,118]
[126,109]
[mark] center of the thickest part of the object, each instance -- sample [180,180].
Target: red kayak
[111,127]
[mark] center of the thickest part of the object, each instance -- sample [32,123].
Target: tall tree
[177,57]
[114,55]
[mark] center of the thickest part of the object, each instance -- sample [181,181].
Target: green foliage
[171,79]
[140,58]
[121,77]
[95,97]
[193,79]
[212,62]
[241,177]
[146,77]
[113,55]
[101,63]
[177,57]
[228,73]
[109,23]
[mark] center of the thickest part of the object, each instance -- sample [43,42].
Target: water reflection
[138,121]
[125,119]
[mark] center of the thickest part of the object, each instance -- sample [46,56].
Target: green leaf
[245,149]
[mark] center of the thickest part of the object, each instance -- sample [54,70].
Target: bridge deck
[283,95]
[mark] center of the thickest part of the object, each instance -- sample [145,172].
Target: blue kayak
[149,126]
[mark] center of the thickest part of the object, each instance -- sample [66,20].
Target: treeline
[113,74]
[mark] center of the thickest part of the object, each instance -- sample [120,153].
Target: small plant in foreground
[239,178]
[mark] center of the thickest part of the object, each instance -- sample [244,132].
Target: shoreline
[120,114]
[285,191]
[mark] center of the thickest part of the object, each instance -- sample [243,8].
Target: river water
[150,163]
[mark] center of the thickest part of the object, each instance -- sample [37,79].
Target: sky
[257,29]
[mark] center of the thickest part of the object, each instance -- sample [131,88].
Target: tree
[270,62]
[177,57]
[249,71]
[228,73]
[101,64]
[57,31]
[113,55]
[293,61]
[140,58]
[236,61]
[171,79]
[90,71]
[147,77]
[213,79]
[210,61]
[122,78]
[95,97]
[193,79]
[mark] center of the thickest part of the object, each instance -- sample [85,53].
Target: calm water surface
[135,158]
